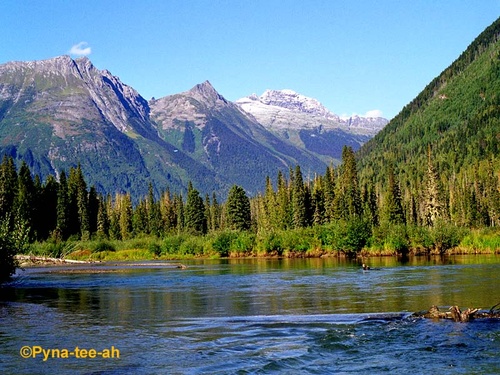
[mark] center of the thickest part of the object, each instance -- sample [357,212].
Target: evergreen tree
[329,193]
[8,185]
[370,206]
[126,212]
[114,217]
[25,198]
[48,207]
[103,223]
[195,220]
[318,202]
[238,209]
[299,200]
[154,214]
[393,208]
[78,203]
[62,226]
[215,214]
[140,218]
[180,213]
[347,200]
[168,212]
[284,207]
[432,200]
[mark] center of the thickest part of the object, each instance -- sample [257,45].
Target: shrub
[172,245]
[420,238]
[244,242]
[193,245]
[222,243]
[397,239]
[447,236]
[103,245]
[154,248]
[297,240]
[271,243]
[351,236]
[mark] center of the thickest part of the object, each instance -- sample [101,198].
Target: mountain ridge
[60,112]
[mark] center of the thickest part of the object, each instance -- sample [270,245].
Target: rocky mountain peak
[205,93]
[294,101]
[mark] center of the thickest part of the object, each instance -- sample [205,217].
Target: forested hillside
[452,126]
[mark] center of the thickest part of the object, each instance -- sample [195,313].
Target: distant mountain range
[61,112]
[308,124]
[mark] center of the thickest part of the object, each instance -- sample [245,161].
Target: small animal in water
[365,267]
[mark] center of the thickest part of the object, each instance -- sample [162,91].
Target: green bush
[447,236]
[351,236]
[222,243]
[297,240]
[397,239]
[193,245]
[420,238]
[172,245]
[244,242]
[271,243]
[103,245]
[154,248]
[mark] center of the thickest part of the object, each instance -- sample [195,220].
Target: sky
[354,56]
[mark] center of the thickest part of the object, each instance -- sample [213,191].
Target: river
[246,316]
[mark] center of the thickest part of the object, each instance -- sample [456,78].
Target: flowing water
[263,316]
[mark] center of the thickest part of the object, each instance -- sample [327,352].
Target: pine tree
[154,213]
[195,220]
[433,207]
[318,201]
[238,209]
[103,223]
[79,220]
[48,207]
[329,193]
[140,218]
[347,200]
[284,207]
[393,208]
[25,198]
[62,226]
[8,185]
[215,214]
[299,200]
[126,212]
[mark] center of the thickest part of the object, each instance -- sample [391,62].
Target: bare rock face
[68,91]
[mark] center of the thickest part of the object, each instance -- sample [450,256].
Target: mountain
[308,124]
[57,113]
[457,118]
[226,139]
[60,112]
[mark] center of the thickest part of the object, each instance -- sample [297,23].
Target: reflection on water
[257,315]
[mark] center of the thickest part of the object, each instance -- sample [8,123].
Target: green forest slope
[457,118]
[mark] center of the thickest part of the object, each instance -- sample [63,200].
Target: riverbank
[313,242]
[88,257]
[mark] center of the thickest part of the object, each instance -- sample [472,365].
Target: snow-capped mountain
[281,110]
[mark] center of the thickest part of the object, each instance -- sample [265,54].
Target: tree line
[64,208]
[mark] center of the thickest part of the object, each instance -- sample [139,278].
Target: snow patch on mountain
[286,109]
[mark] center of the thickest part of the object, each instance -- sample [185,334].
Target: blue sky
[354,56]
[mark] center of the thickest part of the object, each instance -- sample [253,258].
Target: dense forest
[329,213]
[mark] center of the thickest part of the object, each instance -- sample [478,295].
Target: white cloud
[373,113]
[81,49]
